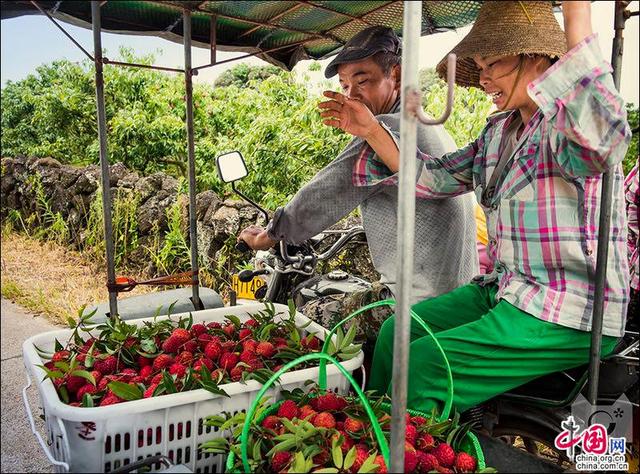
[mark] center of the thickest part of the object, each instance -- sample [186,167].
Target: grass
[49,279]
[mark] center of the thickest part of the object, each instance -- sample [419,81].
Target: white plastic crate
[102,439]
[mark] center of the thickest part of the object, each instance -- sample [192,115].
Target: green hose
[322,376]
[244,438]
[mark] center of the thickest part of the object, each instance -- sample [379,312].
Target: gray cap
[363,45]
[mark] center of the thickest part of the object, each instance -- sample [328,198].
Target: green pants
[492,347]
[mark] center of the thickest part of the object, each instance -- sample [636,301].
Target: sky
[30,41]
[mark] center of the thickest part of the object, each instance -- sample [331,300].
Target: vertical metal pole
[193,223]
[604,225]
[405,236]
[213,42]
[104,158]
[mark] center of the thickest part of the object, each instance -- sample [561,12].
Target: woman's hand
[577,21]
[347,114]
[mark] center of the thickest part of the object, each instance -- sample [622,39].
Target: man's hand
[577,21]
[349,115]
[256,237]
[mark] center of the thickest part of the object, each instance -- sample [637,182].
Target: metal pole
[604,224]
[405,235]
[104,159]
[213,42]
[193,223]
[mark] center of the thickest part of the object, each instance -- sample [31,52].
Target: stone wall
[70,191]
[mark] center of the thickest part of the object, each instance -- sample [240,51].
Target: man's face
[365,81]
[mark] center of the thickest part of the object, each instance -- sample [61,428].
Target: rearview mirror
[231,167]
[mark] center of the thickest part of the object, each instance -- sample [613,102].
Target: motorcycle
[531,416]
[291,271]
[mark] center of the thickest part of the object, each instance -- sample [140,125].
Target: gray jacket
[445,231]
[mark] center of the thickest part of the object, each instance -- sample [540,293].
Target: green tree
[631,157]
[242,75]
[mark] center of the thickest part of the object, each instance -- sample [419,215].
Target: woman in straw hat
[537,171]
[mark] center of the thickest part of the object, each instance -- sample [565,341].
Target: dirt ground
[49,279]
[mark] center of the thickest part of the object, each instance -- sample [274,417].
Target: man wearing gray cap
[445,255]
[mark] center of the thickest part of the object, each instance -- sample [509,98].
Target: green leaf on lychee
[58,346]
[64,394]
[216,446]
[87,400]
[336,453]
[234,320]
[51,374]
[168,383]
[125,391]
[213,388]
[265,332]
[350,458]
[85,375]
[369,464]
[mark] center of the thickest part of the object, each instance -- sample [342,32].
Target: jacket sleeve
[322,202]
[440,174]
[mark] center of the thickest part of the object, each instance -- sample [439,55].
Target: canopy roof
[284,32]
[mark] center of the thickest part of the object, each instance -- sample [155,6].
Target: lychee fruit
[265,349]
[465,463]
[444,454]
[162,362]
[324,420]
[288,410]
[280,461]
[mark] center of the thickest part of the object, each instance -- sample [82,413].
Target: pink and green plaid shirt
[632,196]
[542,218]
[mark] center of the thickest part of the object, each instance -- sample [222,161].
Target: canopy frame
[406,205]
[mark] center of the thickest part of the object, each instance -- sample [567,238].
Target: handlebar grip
[242,246]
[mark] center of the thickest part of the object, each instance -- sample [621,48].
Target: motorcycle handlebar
[330,252]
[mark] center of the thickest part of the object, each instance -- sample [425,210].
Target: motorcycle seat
[615,379]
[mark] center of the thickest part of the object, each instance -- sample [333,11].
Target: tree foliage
[260,111]
[631,158]
[243,75]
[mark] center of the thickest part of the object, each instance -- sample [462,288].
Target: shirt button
[492,242]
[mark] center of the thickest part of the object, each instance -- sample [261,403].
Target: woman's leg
[499,351]
[458,307]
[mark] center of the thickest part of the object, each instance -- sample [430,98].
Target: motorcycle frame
[406,196]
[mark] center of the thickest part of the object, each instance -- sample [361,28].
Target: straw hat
[506,28]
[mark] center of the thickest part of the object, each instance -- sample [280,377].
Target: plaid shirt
[542,218]
[632,196]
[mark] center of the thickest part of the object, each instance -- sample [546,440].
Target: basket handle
[382,442]
[45,448]
[322,376]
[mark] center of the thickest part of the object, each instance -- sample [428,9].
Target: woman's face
[498,76]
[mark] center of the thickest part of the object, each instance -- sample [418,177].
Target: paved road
[20,450]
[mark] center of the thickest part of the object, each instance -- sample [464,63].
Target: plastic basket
[102,439]
[469,444]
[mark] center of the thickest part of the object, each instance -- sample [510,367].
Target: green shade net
[285,32]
